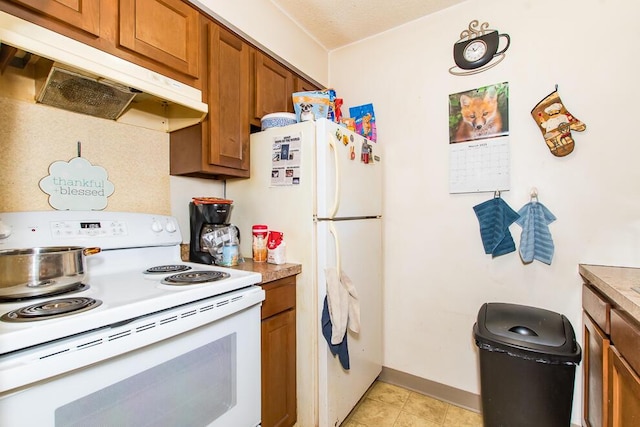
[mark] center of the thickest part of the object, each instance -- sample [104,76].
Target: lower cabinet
[611,384]
[595,379]
[624,365]
[279,353]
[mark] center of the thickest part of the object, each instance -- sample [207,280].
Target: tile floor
[386,405]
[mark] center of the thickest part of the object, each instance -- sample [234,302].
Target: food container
[274,120]
[259,245]
[229,255]
[276,248]
[35,271]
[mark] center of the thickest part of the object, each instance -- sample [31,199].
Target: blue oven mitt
[495,216]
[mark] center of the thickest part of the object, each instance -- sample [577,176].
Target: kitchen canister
[260,233]
[229,254]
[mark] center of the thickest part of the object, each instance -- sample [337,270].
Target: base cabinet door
[624,392]
[278,374]
[279,400]
[596,374]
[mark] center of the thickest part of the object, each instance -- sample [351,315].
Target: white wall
[436,273]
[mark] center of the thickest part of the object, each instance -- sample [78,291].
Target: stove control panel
[109,230]
[88,228]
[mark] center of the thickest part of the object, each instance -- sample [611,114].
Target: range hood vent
[72,91]
[80,78]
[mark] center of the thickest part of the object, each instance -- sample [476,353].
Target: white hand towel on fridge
[344,306]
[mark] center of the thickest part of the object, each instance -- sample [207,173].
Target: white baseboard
[461,398]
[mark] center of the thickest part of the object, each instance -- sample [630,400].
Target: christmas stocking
[556,124]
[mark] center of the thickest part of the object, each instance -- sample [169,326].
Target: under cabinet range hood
[73,76]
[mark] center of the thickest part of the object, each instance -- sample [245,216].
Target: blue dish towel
[535,240]
[340,349]
[495,216]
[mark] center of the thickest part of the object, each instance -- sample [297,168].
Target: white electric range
[143,317]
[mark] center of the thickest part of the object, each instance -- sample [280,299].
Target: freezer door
[354,247]
[347,186]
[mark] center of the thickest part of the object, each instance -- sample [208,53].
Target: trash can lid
[526,331]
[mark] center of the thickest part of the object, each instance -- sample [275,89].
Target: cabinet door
[624,392]
[301,85]
[165,31]
[279,370]
[272,87]
[228,99]
[595,370]
[81,14]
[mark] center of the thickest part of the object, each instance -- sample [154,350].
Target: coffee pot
[207,214]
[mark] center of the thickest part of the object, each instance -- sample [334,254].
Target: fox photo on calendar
[479,113]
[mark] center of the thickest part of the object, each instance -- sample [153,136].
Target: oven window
[191,390]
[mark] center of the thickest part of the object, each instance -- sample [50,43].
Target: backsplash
[33,136]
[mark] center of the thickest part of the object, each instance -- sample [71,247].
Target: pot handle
[91,251]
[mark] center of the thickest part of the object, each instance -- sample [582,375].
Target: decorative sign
[477,49]
[77,185]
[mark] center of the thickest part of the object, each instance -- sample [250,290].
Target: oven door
[208,376]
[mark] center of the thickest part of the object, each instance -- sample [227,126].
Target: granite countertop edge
[616,283]
[269,272]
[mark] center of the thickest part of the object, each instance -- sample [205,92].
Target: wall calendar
[479,157]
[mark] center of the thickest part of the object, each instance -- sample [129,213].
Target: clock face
[475,50]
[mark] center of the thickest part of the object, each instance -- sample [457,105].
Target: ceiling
[336,23]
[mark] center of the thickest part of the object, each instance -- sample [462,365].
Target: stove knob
[170,227]
[156,226]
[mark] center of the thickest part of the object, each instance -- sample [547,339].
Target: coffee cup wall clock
[477,49]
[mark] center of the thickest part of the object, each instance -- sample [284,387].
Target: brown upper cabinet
[81,14]
[272,86]
[302,85]
[219,146]
[161,35]
[165,31]
[239,82]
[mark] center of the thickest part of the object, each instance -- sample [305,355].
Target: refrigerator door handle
[333,231]
[336,200]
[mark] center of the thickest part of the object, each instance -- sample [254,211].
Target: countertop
[270,272]
[615,283]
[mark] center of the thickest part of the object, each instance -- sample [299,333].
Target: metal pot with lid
[36,271]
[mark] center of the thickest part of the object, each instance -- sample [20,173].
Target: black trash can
[528,359]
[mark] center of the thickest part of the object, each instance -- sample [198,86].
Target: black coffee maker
[206,214]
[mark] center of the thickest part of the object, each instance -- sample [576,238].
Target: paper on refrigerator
[285,160]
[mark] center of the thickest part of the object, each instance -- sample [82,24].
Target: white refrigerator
[320,185]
